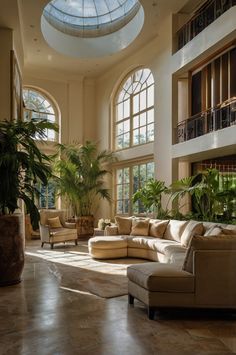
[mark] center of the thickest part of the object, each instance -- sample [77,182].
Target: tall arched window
[134,110]
[38,106]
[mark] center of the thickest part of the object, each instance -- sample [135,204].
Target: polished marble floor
[38,317]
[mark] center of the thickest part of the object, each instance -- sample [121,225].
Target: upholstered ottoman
[108,247]
[160,285]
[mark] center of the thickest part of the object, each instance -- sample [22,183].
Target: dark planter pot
[85,227]
[11,249]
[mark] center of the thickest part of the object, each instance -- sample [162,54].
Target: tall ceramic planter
[11,249]
[85,227]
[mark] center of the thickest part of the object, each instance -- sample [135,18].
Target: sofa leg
[51,245]
[76,242]
[130,299]
[42,244]
[151,313]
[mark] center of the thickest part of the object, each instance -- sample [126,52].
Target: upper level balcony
[213,119]
[207,14]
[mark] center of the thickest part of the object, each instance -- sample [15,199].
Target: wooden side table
[98,232]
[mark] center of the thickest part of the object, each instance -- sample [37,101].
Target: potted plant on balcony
[21,165]
[81,170]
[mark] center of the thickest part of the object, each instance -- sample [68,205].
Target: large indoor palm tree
[81,171]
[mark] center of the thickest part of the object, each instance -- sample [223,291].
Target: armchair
[54,229]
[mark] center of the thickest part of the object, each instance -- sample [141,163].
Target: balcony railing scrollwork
[213,119]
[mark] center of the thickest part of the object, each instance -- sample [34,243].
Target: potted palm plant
[81,170]
[21,165]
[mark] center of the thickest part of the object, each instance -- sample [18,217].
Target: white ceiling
[38,56]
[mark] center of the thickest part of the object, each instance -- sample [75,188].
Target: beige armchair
[54,229]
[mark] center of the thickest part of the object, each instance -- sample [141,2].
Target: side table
[98,232]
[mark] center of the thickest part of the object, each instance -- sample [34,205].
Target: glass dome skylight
[90,18]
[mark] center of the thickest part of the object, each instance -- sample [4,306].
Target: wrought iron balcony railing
[208,121]
[211,11]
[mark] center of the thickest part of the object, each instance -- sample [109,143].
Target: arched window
[38,106]
[134,110]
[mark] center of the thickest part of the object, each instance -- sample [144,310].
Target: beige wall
[6,40]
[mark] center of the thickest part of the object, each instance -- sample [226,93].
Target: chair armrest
[44,232]
[111,230]
[215,275]
[70,225]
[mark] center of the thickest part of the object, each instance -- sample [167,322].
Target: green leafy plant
[151,197]
[209,201]
[81,170]
[22,164]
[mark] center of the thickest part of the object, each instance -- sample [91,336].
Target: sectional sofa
[194,262]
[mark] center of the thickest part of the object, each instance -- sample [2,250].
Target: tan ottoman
[110,247]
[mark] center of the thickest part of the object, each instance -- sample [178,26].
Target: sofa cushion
[124,224]
[192,228]
[175,229]
[140,227]
[54,222]
[157,228]
[219,242]
[62,231]
[114,242]
[161,277]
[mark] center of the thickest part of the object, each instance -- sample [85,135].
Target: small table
[98,232]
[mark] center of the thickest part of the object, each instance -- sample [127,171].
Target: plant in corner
[21,165]
[81,170]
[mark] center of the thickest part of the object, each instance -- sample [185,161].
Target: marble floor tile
[39,317]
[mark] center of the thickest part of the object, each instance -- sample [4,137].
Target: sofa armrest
[111,230]
[70,225]
[44,232]
[215,275]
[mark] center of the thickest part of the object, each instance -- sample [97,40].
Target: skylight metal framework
[90,18]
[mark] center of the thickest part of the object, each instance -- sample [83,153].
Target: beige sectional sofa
[195,261]
[156,240]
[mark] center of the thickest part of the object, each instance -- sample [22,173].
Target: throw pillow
[175,229]
[213,230]
[216,242]
[157,228]
[192,228]
[226,231]
[140,227]
[124,224]
[54,222]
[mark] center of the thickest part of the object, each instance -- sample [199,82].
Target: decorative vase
[12,247]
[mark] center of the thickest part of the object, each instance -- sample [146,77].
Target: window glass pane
[126,175]
[120,111]
[143,119]
[126,206]
[136,136]
[119,191]
[143,103]
[119,176]
[136,122]
[119,207]
[119,142]
[126,108]
[126,140]
[136,104]
[150,132]
[150,95]
[150,116]
[142,137]
[126,126]
[150,170]
[120,128]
